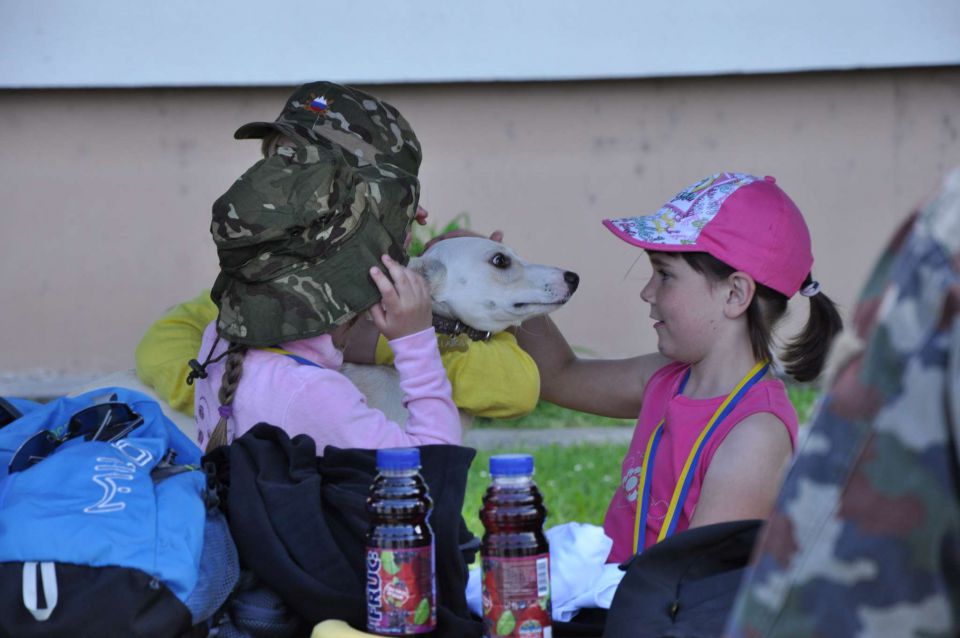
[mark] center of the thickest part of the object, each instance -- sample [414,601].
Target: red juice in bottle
[514,552]
[401,583]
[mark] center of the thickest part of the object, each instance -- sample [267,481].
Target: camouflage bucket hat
[367,128]
[297,235]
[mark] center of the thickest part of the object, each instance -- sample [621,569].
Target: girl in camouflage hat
[494,378]
[301,236]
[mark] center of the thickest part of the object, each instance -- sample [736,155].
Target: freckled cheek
[684,319]
[670,307]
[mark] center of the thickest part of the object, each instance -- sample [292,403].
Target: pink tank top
[685,418]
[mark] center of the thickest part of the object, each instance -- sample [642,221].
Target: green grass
[576,481]
[551,415]
[804,398]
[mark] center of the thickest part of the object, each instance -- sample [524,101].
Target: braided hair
[232,372]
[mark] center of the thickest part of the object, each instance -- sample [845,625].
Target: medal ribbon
[295,357]
[689,468]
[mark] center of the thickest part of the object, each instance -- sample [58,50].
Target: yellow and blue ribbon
[675,508]
[295,357]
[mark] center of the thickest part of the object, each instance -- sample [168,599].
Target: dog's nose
[572,279]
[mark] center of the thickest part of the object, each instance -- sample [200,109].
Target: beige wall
[107,193]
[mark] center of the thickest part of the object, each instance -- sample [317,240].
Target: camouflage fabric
[369,130]
[865,537]
[299,231]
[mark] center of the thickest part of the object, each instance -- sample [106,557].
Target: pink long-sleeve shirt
[323,403]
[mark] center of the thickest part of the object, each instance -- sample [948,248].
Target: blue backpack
[107,527]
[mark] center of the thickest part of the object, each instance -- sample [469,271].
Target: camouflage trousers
[865,537]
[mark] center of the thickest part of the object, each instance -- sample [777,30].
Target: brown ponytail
[806,353]
[232,372]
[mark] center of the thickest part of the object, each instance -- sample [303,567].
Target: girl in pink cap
[715,426]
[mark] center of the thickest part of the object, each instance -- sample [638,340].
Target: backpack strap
[45,575]
[8,413]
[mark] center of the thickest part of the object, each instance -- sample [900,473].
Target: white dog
[486,286]
[478,287]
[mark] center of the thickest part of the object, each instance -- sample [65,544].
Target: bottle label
[401,591]
[516,597]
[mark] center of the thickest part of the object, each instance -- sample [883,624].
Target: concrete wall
[107,193]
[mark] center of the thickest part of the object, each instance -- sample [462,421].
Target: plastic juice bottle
[514,552]
[401,582]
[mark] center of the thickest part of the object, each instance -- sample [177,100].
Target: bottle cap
[399,458]
[511,465]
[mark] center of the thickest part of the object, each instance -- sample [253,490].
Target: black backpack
[685,585]
[299,523]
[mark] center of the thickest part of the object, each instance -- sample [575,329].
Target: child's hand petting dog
[405,306]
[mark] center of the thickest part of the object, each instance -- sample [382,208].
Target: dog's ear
[432,270]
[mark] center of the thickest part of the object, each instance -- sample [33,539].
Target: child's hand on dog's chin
[405,304]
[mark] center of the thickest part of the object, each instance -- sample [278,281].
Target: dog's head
[487,286]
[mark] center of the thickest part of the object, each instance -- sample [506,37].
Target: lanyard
[295,357]
[686,476]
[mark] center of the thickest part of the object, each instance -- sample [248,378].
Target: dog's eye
[500,260]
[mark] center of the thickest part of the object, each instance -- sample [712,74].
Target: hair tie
[225,411]
[811,289]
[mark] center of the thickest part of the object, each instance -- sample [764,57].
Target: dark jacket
[299,523]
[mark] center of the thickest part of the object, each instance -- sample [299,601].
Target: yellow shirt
[494,378]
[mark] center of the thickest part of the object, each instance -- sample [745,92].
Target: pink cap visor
[747,222]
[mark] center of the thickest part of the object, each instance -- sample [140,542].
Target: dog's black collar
[454,327]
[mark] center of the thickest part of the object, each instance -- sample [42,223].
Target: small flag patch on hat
[318,105]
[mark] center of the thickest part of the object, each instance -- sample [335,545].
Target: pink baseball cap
[746,222]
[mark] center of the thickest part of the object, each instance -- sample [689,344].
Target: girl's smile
[685,307]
